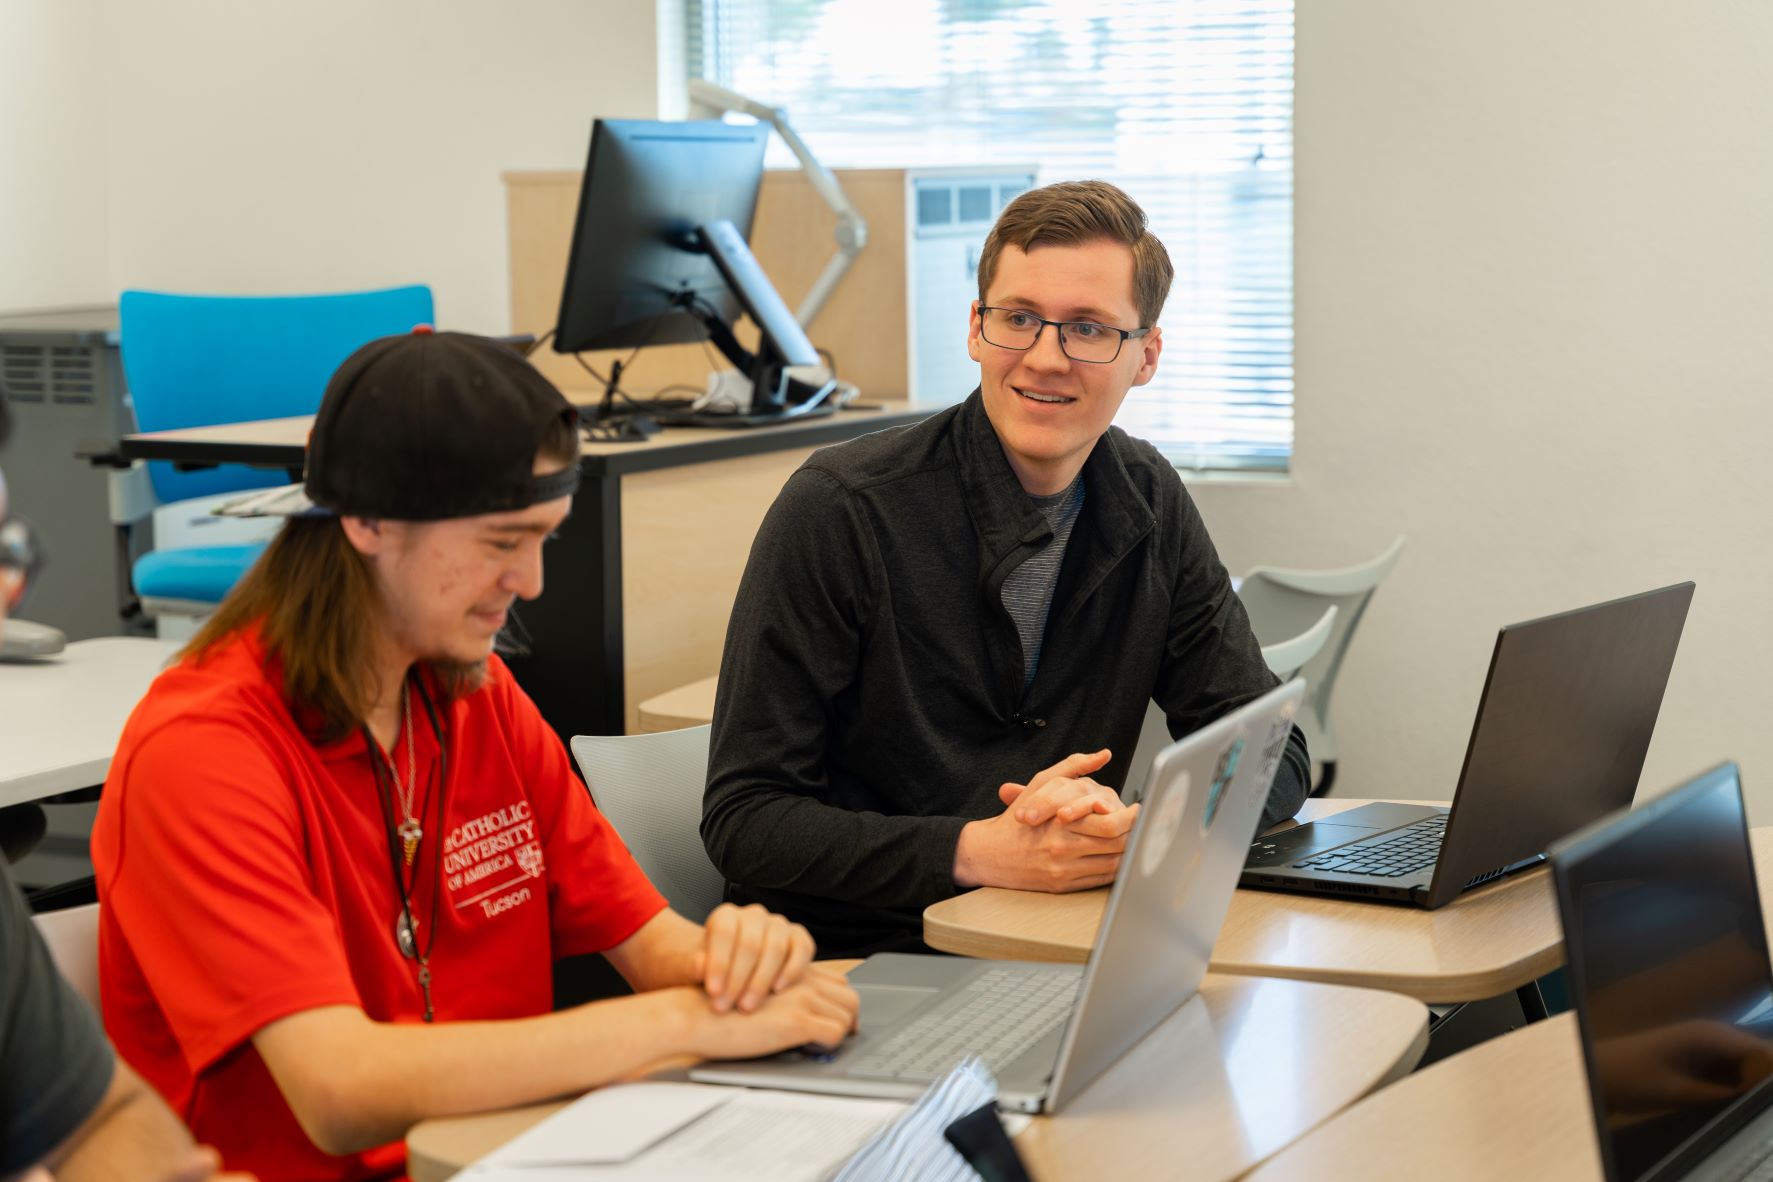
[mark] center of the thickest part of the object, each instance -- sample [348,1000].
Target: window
[1187,104]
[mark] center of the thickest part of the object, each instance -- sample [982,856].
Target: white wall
[284,147]
[1535,333]
[53,234]
[1534,251]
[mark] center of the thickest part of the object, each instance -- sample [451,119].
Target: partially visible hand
[201,1166]
[749,953]
[1064,790]
[1053,856]
[819,1008]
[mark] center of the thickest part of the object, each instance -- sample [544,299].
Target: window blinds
[1186,104]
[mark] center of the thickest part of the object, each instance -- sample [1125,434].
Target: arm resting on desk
[132,1134]
[354,1083]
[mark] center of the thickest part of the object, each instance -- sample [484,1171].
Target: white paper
[612,1124]
[769,1137]
[650,1132]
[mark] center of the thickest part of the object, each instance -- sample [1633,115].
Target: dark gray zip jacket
[871,698]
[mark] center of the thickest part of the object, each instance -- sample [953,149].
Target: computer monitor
[659,256]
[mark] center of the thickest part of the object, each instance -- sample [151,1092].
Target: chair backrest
[650,788]
[72,936]
[194,361]
[1284,603]
[1286,657]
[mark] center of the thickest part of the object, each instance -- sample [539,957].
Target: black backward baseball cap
[434,425]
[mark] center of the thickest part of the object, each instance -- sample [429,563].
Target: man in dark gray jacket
[946,636]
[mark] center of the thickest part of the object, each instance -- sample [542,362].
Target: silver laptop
[1047,1031]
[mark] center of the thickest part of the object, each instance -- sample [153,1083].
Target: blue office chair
[195,361]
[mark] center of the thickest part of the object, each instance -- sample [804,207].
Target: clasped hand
[756,969]
[749,953]
[1061,831]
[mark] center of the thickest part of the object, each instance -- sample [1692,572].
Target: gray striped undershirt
[1028,592]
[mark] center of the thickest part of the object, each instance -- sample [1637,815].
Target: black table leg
[1532,1002]
[574,666]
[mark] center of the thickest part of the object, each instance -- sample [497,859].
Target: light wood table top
[1496,938]
[1514,1107]
[61,716]
[1241,1071]
[686,706]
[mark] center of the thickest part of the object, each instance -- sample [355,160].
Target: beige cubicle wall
[687,530]
[686,533]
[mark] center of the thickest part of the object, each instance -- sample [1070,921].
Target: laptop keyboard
[1757,1166]
[1390,855]
[997,1016]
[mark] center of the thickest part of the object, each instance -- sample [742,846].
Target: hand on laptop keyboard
[819,1009]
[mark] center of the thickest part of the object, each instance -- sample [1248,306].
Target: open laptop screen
[1669,974]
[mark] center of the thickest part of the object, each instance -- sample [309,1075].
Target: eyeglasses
[21,550]
[1080,340]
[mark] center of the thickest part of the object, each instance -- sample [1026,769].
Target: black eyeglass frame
[1124,333]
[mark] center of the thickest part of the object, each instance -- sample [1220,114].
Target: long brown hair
[315,602]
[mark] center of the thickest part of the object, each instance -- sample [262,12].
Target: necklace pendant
[410,836]
[406,935]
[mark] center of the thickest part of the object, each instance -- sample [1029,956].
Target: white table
[60,716]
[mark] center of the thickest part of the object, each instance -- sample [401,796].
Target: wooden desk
[60,716]
[664,524]
[685,706]
[1514,1107]
[1239,1072]
[1494,939]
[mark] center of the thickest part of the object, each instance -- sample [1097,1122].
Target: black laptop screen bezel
[1569,860]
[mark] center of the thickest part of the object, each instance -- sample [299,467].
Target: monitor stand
[776,396]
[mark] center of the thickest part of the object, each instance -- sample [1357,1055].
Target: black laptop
[1562,727]
[1669,977]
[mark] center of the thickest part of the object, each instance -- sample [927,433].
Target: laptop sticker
[1277,742]
[1222,776]
[1162,827]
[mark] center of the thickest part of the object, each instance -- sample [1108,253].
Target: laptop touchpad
[886,1004]
[1299,842]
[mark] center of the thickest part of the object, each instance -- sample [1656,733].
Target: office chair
[1284,658]
[72,936]
[196,361]
[650,788]
[1281,603]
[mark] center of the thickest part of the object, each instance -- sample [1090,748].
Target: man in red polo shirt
[339,850]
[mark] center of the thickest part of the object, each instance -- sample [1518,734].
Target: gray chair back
[1285,603]
[650,788]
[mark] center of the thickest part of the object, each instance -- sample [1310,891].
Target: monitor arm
[852,229]
[773,386]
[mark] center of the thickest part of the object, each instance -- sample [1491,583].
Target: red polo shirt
[244,875]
